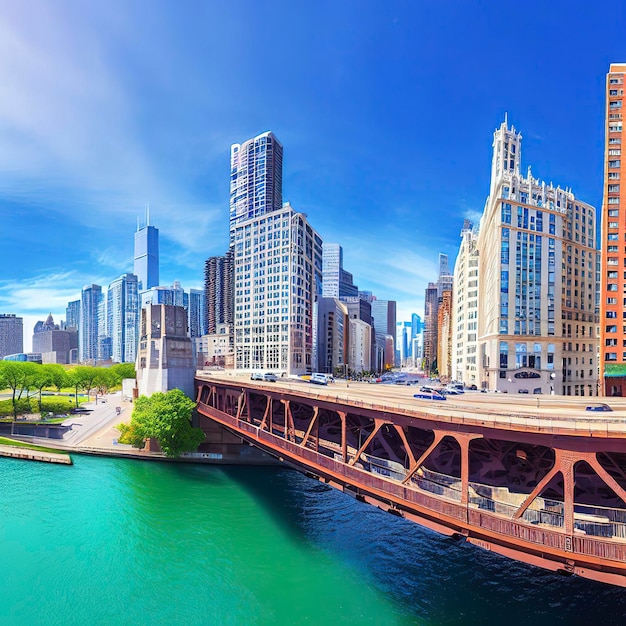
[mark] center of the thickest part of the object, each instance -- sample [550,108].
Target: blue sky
[385,109]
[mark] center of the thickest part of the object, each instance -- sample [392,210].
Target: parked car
[473,388]
[256,376]
[268,377]
[598,407]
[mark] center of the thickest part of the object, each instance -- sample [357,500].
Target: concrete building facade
[123,318]
[165,359]
[537,285]
[11,334]
[277,275]
[90,324]
[332,336]
[465,309]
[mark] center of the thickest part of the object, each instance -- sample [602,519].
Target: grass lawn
[50,404]
[5,441]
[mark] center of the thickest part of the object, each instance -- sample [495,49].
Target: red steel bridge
[540,480]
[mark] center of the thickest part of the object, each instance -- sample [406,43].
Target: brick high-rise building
[613,264]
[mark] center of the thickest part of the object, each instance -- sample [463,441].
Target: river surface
[115,541]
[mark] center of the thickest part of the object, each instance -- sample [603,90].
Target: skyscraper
[431,308]
[465,309]
[537,282]
[11,334]
[613,273]
[445,280]
[90,312]
[147,255]
[195,313]
[384,321]
[278,273]
[336,282]
[218,290]
[256,178]
[72,315]
[123,318]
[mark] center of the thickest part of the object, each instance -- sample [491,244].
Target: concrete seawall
[35,455]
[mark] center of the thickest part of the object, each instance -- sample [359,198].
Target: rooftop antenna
[506,119]
[137,223]
[147,214]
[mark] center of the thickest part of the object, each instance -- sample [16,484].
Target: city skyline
[368,114]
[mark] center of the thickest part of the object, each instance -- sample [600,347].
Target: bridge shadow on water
[431,578]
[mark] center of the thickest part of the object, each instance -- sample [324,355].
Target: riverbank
[34,454]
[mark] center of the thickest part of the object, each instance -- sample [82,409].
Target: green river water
[111,541]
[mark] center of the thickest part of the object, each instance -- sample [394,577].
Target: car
[429,396]
[268,377]
[256,376]
[473,388]
[598,407]
[319,379]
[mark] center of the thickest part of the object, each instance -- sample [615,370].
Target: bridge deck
[565,415]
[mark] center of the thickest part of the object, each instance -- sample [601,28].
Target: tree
[165,417]
[42,377]
[105,379]
[81,377]
[18,376]
[123,370]
[59,376]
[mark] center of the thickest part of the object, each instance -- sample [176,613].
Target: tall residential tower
[613,273]
[256,178]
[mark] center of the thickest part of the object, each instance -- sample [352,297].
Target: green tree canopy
[19,377]
[165,417]
[123,370]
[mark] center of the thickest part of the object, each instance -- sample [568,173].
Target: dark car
[429,396]
[598,407]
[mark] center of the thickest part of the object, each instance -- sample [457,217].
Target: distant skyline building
[218,291]
[172,296]
[123,318]
[336,281]
[72,315]
[431,308]
[147,255]
[256,179]
[91,302]
[444,334]
[11,334]
[465,309]
[445,278]
[54,345]
[332,336]
[195,313]
[384,322]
